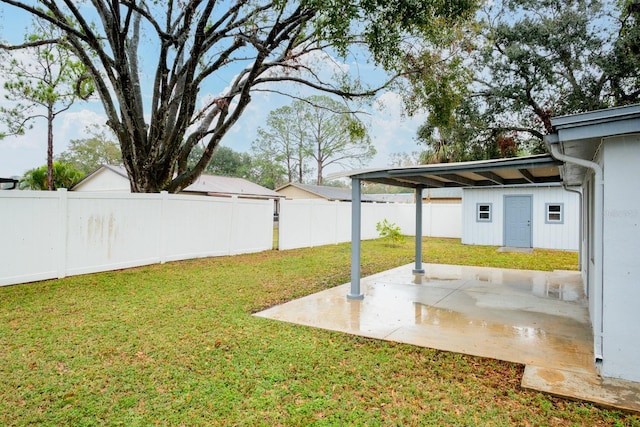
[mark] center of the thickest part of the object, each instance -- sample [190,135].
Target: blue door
[517,221]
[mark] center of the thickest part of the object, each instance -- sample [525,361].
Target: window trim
[547,213]
[489,211]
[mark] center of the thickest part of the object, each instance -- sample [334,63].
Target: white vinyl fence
[46,235]
[305,223]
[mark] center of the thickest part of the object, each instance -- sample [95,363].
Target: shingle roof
[211,185]
[226,185]
[329,193]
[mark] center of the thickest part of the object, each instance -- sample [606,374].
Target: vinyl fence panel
[312,222]
[48,235]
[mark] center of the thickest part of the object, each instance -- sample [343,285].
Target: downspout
[598,196]
[578,191]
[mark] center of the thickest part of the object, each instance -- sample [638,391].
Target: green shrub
[389,230]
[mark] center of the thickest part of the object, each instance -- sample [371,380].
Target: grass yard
[176,344]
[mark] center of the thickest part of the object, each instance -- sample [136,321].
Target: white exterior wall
[563,236]
[105,180]
[621,258]
[54,234]
[306,223]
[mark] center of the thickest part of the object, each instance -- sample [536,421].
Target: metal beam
[423,180]
[394,182]
[458,179]
[497,179]
[356,209]
[527,175]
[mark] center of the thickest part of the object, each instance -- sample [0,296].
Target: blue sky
[390,131]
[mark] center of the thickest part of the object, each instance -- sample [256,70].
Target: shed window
[555,213]
[483,212]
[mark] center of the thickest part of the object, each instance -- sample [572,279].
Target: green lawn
[176,344]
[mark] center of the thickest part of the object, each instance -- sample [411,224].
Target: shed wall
[563,236]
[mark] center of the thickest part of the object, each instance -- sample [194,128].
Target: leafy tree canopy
[313,133]
[43,84]
[64,176]
[534,60]
[157,65]
[88,154]
[282,143]
[226,162]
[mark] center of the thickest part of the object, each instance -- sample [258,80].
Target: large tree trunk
[160,118]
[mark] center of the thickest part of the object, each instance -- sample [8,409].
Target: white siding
[105,180]
[621,263]
[550,236]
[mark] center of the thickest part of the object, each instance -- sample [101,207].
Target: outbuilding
[595,154]
[529,216]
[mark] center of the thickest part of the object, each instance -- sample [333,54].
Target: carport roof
[540,169]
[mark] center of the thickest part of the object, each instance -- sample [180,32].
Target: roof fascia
[595,124]
[488,166]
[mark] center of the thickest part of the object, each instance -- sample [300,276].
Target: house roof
[392,197]
[215,185]
[431,193]
[120,170]
[326,192]
[540,169]
[211,185]
[444,193]
[580,135]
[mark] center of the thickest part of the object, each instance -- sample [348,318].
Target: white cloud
[23,152]
[391,130]
[74,125]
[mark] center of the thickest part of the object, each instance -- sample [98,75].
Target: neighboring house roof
[214,185]
[320,192]
[427,194]
[393,198]
[442,193]
[344,194]
[115,178]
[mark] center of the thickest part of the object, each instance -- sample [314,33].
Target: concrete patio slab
[607,392]
[539,319]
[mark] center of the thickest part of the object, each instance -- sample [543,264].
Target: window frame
[548,213]
[489,211]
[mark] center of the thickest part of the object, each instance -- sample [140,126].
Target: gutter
[553,142]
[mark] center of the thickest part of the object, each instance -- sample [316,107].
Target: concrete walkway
[538,319]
